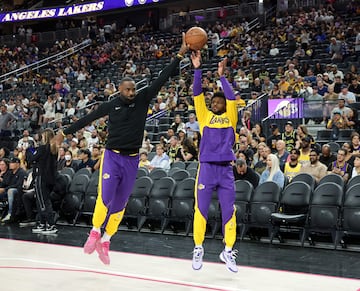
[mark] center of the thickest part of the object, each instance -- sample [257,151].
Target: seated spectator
[60,162]
[348,96]
[192,125]
[178,124]
[86,161]
[243,172]
[69,162]
[336,123]
[327,157]
[13,190]
[187,151]
[293,166]
[340,166]
[96,156]
[305,148]
[143,160]
[260,166]
[315,168]
[356,168]
[349,158]
[29,201]
[74,148]
[173,149]
[160,160]
[274,137]
[281,153]
[272,172]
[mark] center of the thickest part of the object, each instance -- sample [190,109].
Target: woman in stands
[69,162]
[44,171]
[356,168]
[303,132]
[349,158]
[272,171]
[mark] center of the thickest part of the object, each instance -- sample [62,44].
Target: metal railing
[45,62]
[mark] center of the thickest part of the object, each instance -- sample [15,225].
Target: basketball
[196,38]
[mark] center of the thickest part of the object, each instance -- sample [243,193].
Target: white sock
[96,229]
[227,249]
[105,237]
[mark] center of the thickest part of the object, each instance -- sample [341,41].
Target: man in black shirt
[118,168]
[243,172]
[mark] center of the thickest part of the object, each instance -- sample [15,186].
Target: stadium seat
[159,201]
[324,212]
[293,209]
[138,200]
[243,192]
[306,178]
[263,203]
[182,205]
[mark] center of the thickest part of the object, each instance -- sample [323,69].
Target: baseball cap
[237,93]
[14,160]
[75,140]
[337,112]
[343,86]
[289,122]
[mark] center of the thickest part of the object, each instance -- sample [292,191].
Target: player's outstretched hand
[184,47]
[222,67]
[196,59]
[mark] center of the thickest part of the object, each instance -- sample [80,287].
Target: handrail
[44,62]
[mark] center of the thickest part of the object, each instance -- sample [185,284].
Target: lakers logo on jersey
[201,186]
[217,119]
[106,176]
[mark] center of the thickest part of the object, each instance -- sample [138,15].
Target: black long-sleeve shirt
[127,121]
[44,164]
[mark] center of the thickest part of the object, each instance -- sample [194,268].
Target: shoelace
[197,252]
[232,255]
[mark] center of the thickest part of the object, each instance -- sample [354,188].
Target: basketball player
[217,128]
[119,162]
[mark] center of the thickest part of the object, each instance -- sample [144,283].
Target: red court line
[115,275]
[156,256]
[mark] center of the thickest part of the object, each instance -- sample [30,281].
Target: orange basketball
[196,38]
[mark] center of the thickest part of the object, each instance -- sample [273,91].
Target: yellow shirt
[304,158]
[291,172]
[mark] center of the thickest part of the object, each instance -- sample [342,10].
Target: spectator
[6,119]
[260,165]
[173,149]
[69,162]
[281,153]
[356,168]
[86,161]
[348,96]
[160,160]
[178,124]
[289,136]
[13,190]
[293,166]
[275,136]
[340,166]
[326,157]
[143,160]
[243,172]
[315,168]
[187,151]
[272,172]
[336,123]
[192,125]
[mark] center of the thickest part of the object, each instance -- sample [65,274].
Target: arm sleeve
[231,107]
[167,72]
[102,110]
[199,100]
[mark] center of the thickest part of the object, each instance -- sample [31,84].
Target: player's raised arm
[227,88]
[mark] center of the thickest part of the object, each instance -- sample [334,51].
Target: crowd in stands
[298,55]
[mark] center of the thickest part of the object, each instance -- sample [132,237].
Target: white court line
[123,274]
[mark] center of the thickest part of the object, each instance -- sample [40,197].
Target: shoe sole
[221,256]
[198,268]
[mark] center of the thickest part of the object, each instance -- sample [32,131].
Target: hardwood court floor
[140,261]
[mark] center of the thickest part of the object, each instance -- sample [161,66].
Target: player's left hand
[222,66]
[184,47]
